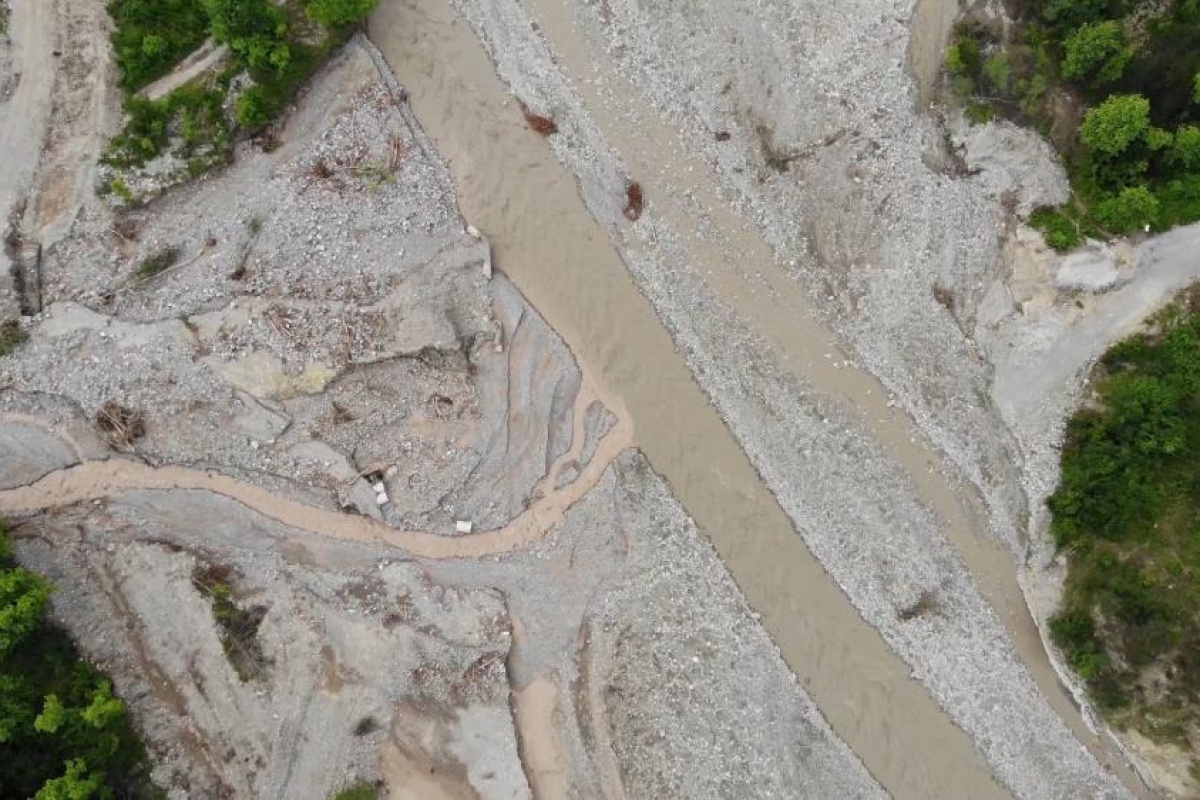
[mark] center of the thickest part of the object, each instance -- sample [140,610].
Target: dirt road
[23,116]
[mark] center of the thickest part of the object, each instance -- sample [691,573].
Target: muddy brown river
[513,189]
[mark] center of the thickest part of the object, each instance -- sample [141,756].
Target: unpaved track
[512,188]
[198,63]
[23,118]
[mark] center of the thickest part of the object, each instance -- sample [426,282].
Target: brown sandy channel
[92,480]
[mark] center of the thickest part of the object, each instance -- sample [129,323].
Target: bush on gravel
[12,335]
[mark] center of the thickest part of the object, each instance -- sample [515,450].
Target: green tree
[53,716]
[17,709]
[105,709]
[1070,14]
[1196,88]
[64,735]
[1111,127]
[1096,52]
[1187,147]
[336,13]
[23,599]
[76,784]
[256,30]
[1133,208]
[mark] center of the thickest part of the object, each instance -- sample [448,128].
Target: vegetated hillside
[1128,514]
[63,734]
[274,49]
[1116,86]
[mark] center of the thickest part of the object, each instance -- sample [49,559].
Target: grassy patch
[12,335]
[63,733]
[191,117]
[1128,514]
[238,624]
[361,791]
[158,261]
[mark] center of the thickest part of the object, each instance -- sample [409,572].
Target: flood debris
[121,425]
[238,625]
[925,605]
[497,336]
[944,297]
[634,202]
[541,124]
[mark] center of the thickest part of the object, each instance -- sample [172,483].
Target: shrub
[252,109]
[1096,52]
[998,71]
[11,335]
[1133,208]
[1060,231]
[158,261]
[361,791]
[955,63]
[238,626]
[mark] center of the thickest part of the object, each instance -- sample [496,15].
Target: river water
[513,189]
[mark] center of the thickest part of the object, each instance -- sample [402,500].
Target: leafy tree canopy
[1111,127]
[1096,52]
